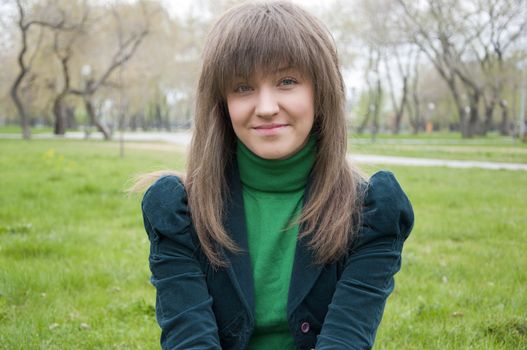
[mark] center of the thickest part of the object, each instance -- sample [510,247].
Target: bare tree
[466,43]
[374,90]
[404,71]
[63,46]
[413,105]
[24,25]
[127,45]
[439,37]
[505,22]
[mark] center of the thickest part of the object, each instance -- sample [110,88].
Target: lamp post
[85,72]
[429,126]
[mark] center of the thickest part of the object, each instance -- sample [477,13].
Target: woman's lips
[269,129]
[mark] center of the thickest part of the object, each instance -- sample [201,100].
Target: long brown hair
[266,36]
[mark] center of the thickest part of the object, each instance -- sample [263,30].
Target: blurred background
[95,92]
[410,66]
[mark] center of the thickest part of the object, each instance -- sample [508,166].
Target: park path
[183,139]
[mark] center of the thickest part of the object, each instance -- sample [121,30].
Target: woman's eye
[288,81]
[242,88]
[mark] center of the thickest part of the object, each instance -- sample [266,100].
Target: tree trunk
[413,107]
[504,125]
[399,110]
[489,111]
[166,120]
[24,118]
[71,122]
[364,122]
[58,113]
[158,117]
[413,118]
[463,122]
[376,111]
[473,116]
[463,119]
[133,122]
[143,121]
[93,119]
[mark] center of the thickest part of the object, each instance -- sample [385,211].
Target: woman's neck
[276,175]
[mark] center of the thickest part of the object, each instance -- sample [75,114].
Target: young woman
[272,240]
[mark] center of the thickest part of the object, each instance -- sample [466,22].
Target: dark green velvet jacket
[336,306]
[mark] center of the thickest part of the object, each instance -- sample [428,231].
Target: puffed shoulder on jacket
[375,257]
[183,303]
[165,206]
[386,209]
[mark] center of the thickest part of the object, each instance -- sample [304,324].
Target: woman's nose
[267,103]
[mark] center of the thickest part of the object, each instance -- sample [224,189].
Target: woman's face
[272,114]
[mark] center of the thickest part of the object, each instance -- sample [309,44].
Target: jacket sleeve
[183,304]
[368,277]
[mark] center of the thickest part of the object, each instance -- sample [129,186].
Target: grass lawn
[493,148]
[15,129]
[73,253]
[436,135]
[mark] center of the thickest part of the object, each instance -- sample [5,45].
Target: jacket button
[304,327]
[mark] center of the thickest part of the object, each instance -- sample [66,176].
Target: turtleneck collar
[276,175]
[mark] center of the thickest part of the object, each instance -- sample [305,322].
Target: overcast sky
[183,7]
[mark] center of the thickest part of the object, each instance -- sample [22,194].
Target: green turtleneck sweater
[273,193]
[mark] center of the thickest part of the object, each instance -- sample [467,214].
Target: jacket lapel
[239,269]
[303,276]
[305,272]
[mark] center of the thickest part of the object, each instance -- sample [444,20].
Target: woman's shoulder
[165,201]
[165,190]
[383,184]
[386,206]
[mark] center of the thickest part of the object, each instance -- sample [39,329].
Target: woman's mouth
[270,129]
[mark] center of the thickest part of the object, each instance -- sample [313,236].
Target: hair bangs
[265,41]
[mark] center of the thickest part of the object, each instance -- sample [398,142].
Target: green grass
[436,135]
[501,153]
[463,284]
[73,253]
[493,148]
[16,129]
